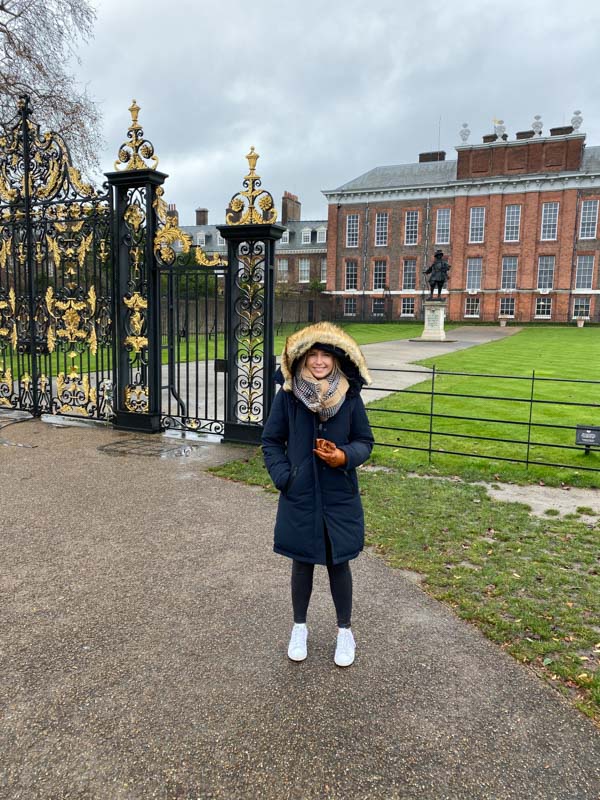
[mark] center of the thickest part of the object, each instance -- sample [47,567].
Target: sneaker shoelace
[298,637]
[345,639]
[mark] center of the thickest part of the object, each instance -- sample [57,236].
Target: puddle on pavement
[152,448]
[7,443]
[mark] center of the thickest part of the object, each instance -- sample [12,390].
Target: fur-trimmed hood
[343,346]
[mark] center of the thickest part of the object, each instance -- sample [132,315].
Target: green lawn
[553,353]
[532,585]
[364,333]
[202,348]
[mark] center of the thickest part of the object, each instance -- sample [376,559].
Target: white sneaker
[297,646]
[345,648]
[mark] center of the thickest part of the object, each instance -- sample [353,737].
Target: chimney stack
[563,130]
[290,208]
[172,213]
[436,155]
[202,216]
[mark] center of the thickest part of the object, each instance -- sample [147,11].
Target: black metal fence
[530,420]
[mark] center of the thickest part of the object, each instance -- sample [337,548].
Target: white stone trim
[469,188]
[520,142]
[308,251]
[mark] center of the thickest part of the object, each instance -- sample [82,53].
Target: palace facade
[517,220]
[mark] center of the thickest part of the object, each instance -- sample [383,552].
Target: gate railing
[521,419]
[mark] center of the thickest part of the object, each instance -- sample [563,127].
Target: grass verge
[531,585]
[501,410]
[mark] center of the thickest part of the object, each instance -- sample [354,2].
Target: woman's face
[319,363]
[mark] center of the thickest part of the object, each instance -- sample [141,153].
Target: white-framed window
[351,275]
[589,219]
[324,270]
[381,229]
[507,306]
[349,306]
[282,270]
[512,223]
[378,306]
[472,307]
[306,235]
[581,307]
[408,307]
[442,226]
[285,237]
[474,269]
[584,273]
[543,307]
[321,235]
[303,270]
[411,227]
[549,230]
[509,272]
[379,274]
[352,230]
[545,272]
[201,239]
[409,274]
[220,240]
[477,224]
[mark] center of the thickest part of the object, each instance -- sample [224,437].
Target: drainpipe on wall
[574,255]
[365,265]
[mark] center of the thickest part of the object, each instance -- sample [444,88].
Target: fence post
[530,416]
[431,410]
[137,198]
[25,112]
[251,235]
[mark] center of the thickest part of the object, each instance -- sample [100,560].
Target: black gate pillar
[137,209]
[251,235]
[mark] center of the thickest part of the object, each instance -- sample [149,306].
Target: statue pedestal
[435,316]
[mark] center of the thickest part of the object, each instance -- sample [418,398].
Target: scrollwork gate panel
[56,347]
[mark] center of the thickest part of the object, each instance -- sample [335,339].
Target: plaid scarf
[323,397]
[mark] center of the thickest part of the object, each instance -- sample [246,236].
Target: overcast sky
[328,90]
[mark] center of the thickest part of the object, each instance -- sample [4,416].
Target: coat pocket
[290,481]
[300,478]
[351,481]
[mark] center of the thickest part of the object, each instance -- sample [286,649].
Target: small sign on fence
[589,436]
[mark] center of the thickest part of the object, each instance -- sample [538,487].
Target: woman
[316,435]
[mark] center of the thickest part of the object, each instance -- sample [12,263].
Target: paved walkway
[384,357]
[143,639]
[203,390]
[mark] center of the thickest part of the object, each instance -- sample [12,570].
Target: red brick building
[517,219]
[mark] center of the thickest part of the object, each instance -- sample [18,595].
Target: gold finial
[252,159]
[134,110]
[134,153]
[242,208]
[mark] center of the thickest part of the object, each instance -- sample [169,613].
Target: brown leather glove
[330,454]
[325,445]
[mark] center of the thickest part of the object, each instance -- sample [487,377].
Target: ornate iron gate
[56,351]
[193,337]
[106,309]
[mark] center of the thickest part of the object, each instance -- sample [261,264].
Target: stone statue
[438,274]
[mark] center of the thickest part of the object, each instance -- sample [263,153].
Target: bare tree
[37,40]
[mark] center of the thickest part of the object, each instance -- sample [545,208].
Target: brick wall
[527,250]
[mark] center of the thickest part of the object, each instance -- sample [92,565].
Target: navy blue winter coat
[313,494]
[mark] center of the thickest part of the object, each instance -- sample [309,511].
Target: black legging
[340,582]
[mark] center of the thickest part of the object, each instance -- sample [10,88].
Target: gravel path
[143,639]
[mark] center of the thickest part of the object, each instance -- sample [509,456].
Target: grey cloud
[326,91]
